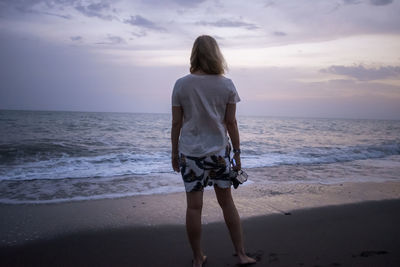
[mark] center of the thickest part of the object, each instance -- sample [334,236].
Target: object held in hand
[237,176]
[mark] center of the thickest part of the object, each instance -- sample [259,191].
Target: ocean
[55,156]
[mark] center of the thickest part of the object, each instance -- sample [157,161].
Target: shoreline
[47,191]
[24,223]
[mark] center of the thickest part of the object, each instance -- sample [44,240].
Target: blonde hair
[206,56]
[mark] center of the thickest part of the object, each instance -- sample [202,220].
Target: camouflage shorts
[198,172]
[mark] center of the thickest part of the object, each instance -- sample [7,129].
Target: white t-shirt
[203,99]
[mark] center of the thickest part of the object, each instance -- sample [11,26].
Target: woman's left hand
[175,162]
[238,166]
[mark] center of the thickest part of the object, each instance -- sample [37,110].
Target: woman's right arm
[233,131]
[177,119]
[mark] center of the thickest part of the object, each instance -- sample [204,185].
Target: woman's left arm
[177,119]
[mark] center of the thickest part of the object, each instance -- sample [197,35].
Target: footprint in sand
[369,253]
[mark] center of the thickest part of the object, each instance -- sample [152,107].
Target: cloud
[364,74]
[270,4]
[284,22]
[95,10]
[76,38]
[380,2]
[186,3]
[26,6]
[92,9]
[33,11]
[113,40]
[372,2]
[351,17]
[139,34]
[278,33]
[352,2]
[56,15]
[226,23]
[143,22]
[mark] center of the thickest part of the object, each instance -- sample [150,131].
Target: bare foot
[245,260]
[199,263]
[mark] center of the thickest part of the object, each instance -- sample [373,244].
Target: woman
[203,111]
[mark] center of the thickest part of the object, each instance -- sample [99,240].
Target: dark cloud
[188,2]
[270,4]
[26,6]
[372,2]
[229,24]
[76,38]
[278,33]
[143,22]
[352,2]
[364,74]
[33,11]
[139,34]
[380,2]
[20,5]
[113,40]
[185,3]
[56,15]
[95,10]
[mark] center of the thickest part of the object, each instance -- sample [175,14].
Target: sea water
[52,156]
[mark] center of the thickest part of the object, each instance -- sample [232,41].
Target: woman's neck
[199,72]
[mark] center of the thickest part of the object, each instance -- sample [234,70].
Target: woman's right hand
[175,162]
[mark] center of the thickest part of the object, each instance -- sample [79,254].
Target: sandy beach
[348,224]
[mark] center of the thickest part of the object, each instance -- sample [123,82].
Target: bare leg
[193,225]
[232,221]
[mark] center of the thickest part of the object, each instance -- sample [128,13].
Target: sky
[296,58]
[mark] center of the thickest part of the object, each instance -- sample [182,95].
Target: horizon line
[168,113]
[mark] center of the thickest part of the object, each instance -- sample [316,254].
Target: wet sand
[363,234]
[285,225]
[27,222]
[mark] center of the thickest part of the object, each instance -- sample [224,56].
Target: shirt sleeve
[233,94]
[175,96]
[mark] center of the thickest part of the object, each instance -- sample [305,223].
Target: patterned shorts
[198,172]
